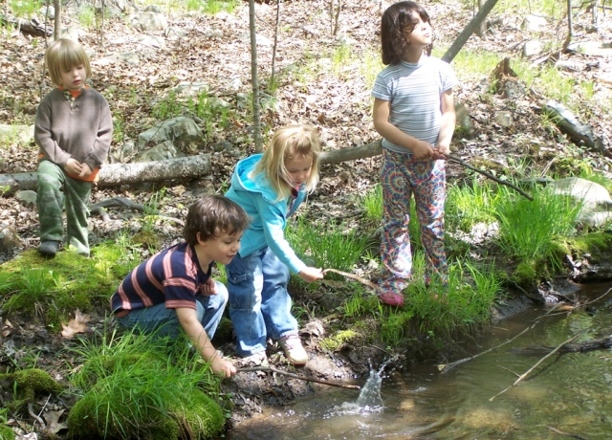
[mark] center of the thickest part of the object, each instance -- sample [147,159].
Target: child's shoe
[294,352]
[48,248]
[391,298]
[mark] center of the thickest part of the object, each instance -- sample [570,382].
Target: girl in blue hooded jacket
[270,187]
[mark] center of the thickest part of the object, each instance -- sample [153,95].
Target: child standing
[270,187]
[174,290]
[414,113]
[73,130]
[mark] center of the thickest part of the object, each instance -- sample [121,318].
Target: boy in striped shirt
[173,290]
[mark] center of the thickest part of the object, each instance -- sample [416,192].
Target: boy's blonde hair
[287,143]
[63,55]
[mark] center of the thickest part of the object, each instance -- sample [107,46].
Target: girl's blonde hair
[288,143]
[63,55]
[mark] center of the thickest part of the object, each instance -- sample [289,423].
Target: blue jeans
[164,322]
[260,305]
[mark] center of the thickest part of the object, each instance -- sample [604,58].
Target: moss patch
[25,385]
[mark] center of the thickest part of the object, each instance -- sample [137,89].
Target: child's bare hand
[210,288]
[441,151]
[311,274]
[422,150]
[85,171]
[222,367]
[73,167]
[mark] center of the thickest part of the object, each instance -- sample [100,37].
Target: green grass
[532,230]
[468,205]
[334,247]
[135,386]
[25,8]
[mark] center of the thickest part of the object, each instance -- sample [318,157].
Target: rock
[503,119]
[150,21]
[534,23]
[579,133]
[182,132]
[532,48]
[28,197]
[9,239]
[597,204]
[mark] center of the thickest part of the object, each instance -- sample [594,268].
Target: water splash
[370,397]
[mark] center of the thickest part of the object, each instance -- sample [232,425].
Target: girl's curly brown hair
[397,23]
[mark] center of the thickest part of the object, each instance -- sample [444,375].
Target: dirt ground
[216,49]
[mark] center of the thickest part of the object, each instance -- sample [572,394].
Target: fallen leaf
[76,325]
[52,419]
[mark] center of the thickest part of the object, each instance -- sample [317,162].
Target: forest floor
[335,98]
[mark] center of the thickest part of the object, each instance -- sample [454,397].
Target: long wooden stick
[368,283]
[489,175]
[305,378]
[528,372]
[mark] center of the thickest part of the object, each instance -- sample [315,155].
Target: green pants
[53,187]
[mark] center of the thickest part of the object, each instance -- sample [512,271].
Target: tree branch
[305,378]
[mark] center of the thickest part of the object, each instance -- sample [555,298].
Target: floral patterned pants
[401,178]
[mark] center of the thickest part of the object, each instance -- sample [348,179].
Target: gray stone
[150,21]
[503,119]
[596,202]
[534,23]
[182,132]
[532,48]
[28,197]
[162,151]
[9,239]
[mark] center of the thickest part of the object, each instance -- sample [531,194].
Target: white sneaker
[294,352]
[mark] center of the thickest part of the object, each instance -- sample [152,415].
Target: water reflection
[568,396]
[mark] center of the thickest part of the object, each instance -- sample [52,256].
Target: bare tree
[256,118]
[57,31]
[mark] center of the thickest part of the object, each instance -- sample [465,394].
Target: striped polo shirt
[414,91]
[172,276]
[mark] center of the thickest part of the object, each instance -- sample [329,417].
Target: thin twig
[528,372]
[489,175]
[35,417]
[444,368]
[304,378]
[354,277]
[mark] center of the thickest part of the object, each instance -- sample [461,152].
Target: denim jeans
[164,322]
[260,305]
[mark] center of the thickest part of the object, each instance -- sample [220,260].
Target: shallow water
[567,396]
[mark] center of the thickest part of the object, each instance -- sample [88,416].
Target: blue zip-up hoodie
[267,214]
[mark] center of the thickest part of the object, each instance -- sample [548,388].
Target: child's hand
[73,167]
[85,171]
[210,288]
[311,274]
[222,367]
[422,150]
[441,151]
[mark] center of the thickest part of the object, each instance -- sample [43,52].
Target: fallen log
[182,168]
[31,27]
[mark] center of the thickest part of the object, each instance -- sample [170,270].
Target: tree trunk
[256,119]
[57,31]
[183,168]
[462,38]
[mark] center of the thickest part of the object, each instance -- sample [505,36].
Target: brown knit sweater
[80,129]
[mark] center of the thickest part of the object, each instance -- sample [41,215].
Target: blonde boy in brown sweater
[73,130]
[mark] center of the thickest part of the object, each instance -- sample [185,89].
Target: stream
[566,396]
